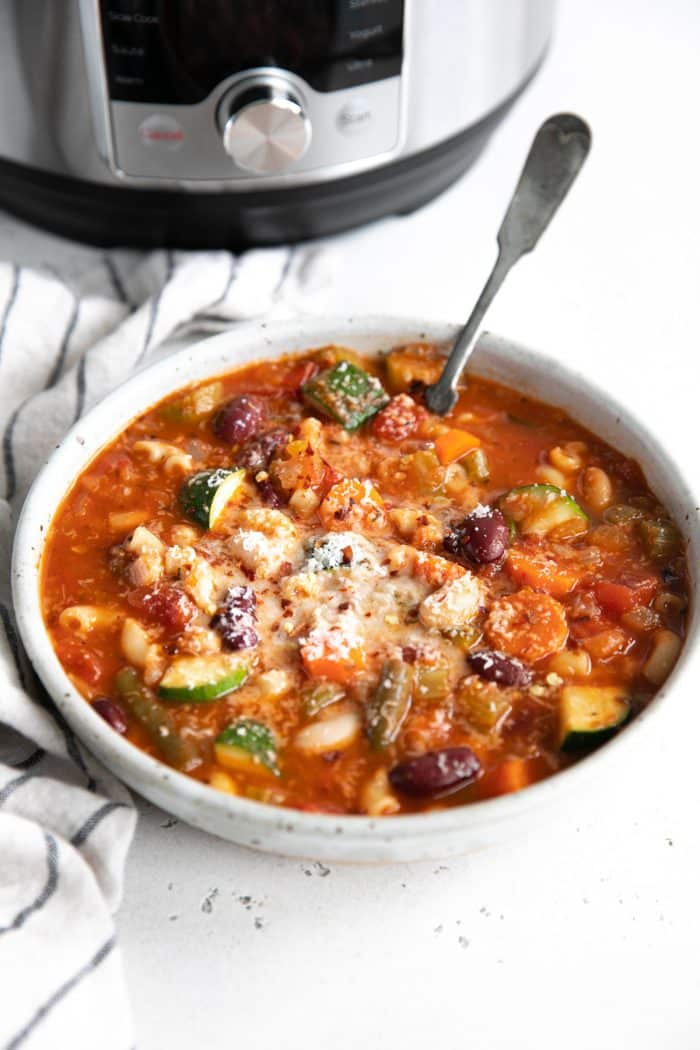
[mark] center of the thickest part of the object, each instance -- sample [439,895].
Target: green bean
[389,706]
[156,720]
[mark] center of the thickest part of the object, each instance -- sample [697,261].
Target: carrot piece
[352,504]
[527,624]
[618,598]
[513,774]
[333,665]
[452,444]
[541,572]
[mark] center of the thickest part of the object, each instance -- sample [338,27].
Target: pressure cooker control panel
[240,89]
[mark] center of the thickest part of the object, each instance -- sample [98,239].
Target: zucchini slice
[205,495]
[589,715]
[199,679]
[346,393]
[247,745]
[537,509]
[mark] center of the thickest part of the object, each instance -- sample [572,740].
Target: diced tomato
[619,598]
[537,570]
[168,606]
[606,644]
[299,374]
[331,477]
[80,660]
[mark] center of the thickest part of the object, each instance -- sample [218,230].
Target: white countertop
[585,934]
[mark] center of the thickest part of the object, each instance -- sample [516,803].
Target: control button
[264,126]
[162,131]
[354,117]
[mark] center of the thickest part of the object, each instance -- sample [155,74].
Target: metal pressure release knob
[264,127]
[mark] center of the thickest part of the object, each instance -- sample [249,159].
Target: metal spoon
[556,156]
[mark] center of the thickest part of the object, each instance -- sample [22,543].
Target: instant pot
[221,123]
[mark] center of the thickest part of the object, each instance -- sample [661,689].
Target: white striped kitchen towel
[65,822]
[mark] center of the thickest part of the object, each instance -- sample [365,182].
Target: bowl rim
[31,534]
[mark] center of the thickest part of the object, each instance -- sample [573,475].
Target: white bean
[550,475]
[665,648]
[85,618]
[597,489]
[329,735]
[135,643]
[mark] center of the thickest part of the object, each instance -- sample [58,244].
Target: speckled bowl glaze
[286,831]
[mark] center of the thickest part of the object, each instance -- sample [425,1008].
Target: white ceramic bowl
[287,831]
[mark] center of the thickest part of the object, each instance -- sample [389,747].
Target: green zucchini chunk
[247,744]
[200,679]
[589,715]
[537,509]
[205,495]
[346,393]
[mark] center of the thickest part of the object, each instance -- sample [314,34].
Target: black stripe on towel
[61,993]
[46,893]
[11,299]
[9,433]
[92,822]
[155,307]
[116,281]
[65,343]
[12,785]
[8,453]
[230,277]
[291,256]
[80,387]
[13,642]
[31,760]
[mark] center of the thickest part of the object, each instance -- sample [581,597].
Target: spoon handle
[556,156]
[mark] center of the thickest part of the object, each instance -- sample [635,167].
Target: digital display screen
[177,51]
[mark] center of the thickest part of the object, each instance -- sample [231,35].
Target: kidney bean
[235,620]
[269,494]
[239,419]
[436,773]
[257,453]
[497,667]
[481,537]
[111,712]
